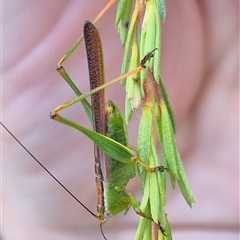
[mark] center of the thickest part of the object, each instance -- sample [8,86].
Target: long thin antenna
[101,229]
[96,216]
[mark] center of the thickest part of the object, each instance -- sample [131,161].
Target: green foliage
[139,26]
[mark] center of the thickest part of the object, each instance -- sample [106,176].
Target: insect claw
[59,68]
[160,168]
[53,115]
[147,57]
[162,229]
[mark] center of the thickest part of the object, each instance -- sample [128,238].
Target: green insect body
[117,173]
[115,163]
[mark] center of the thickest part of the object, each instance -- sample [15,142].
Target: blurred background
[200,66]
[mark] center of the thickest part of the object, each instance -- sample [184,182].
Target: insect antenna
[101,230]
[72,195]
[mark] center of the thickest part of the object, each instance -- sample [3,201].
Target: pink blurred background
[200,67]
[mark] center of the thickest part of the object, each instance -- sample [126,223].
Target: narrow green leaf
[154,197]
[162,11]
[173,158]
[146,190]
[160,176]
[141,229]
[144,230]
[122,22]
[165,163]
[168,141]
[163,187]
[147,42]
[133,86]
[167,231]
[128,110]
[167,102]
[184,184]
[157,54]
[144,133]
[148,230]
[149,23]
[128,44]
[120,10]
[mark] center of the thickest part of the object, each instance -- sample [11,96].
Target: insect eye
[107,214]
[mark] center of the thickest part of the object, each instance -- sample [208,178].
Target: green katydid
[121,153]
[120,172]
[114,162]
